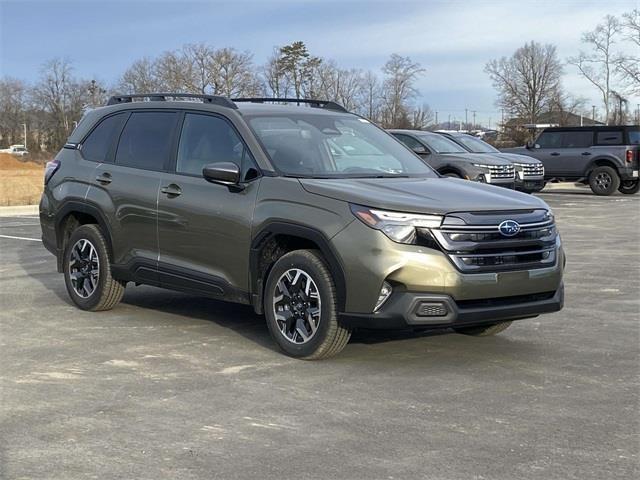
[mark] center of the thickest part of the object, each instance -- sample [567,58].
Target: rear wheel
[484,331]
[604,180]
[87,271]
[300,306]
[629,187]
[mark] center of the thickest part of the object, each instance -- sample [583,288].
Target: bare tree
[371,97]
[276,81]
[598,66]
[140,77]
[298,66]
[13,105]
[422,117]
[401,74]
[628,64]
[233,74]
[62,98]
[199,58]
[527,81]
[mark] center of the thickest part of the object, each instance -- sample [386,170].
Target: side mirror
[531,145]
[223,173]
[420,150]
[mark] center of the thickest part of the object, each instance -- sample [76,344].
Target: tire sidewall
[92,234]
[615,180]
[629,190]
[317,271]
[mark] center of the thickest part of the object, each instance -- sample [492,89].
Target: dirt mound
[9,162]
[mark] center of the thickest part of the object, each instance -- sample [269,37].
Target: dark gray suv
[605,158]
[317,218]
[453,160]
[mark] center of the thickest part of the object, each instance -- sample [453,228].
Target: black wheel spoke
[296,306]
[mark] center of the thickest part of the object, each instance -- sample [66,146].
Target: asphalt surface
[168,385]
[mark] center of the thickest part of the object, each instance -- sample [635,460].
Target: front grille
[532,170]
[505,301]
[502,171]
[474,243]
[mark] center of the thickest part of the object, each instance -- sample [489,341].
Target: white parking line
[19,225]
[21,238]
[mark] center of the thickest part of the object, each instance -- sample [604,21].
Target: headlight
[480,165]
[399,227]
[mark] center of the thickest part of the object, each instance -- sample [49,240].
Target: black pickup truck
[605,158]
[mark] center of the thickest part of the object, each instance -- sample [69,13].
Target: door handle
[172,190]
[554,154]
[586,153]
[104,178]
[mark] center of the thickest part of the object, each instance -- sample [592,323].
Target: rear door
[127,185]
[205,228]
[576,152]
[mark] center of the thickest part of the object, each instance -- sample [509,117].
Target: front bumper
[410,310]
[528,184]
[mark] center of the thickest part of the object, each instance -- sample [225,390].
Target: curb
[18,210]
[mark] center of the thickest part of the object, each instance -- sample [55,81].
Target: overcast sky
[451,39]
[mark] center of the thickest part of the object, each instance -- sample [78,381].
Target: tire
[484,331]
[629,187]
[604,180]
[300,290]
[96,292]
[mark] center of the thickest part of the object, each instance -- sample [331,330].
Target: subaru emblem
[509,228]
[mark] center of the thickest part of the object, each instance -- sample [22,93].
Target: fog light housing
[385,293]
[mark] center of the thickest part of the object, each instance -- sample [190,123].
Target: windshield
[308,145]
[475,145]
[440,144]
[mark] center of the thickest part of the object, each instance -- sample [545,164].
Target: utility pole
[593,114]
[436,118]
[489,123]
[25,135]
[466,119]
[474,119]
[448,121]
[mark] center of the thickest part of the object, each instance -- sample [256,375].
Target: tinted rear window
[634,137]
[609,138]
[96,146]
[577,139]
[146,140]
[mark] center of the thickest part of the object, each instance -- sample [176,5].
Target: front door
[204,229]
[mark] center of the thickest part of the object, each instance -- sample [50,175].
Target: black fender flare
[305,232]
[611,161]
[72,206]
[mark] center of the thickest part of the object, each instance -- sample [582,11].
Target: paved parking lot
[174,386]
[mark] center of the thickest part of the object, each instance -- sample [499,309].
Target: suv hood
[517,158]
[480,158]
[422,195]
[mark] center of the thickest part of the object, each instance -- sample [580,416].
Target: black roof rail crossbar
[326,104]
[161,97]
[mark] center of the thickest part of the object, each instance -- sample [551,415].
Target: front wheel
[604,180]
[300,306]
[484,331]
[629,187]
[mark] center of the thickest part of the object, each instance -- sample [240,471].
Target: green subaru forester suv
[316,217]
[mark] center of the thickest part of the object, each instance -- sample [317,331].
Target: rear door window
[96,147]
[146,140]
[609,138]
[577,139]
[634,137]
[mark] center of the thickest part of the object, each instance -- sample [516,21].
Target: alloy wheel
[84,268]
[603,180]
[297,306]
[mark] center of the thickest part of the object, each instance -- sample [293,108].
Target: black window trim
[110,157]
[412,137]
[174,157]
[172,144]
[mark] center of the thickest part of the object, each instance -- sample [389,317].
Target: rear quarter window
[98,143]
[609,138]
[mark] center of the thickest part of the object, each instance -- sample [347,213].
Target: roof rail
[161,97]
[326,104]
